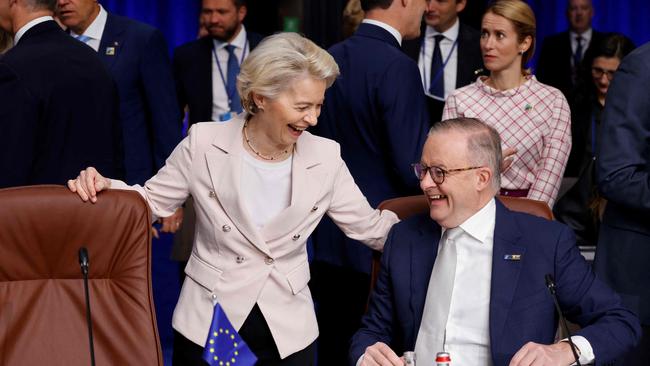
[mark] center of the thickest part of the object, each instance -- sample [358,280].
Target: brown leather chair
[42,306]
[406,207]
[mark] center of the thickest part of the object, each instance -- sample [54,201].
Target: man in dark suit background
[451,64]
[202,84]
[561,62]
[472,281]
[623,172]
[137,57]
[376,111]
[58,104]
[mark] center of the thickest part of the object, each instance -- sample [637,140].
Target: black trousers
[257,335]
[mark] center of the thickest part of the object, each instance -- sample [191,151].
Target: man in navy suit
[58,104]
[201,66]
[376,111]
[623,167]
[459,57]
[136,55]
[472,281]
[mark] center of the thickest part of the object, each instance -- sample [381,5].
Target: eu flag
[224,346]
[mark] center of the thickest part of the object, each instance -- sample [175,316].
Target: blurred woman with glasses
[581,207]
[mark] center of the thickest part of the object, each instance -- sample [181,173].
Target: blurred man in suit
[376,110]
[136,55]
[58,104]
[472,281]
[623,172]
[447,64]
[204,70]
[561,60]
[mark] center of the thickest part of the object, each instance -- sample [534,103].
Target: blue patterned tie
[577,57]
[82,38]
[437,87]
[231,85]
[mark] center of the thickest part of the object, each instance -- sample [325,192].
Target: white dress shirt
[220,103]
[21,32]
[388,28]
[447,50]
[95,30]
[586,40]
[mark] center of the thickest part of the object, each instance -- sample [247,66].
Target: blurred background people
[352,17]
[560,62]
[447,52]
[623,172]
[137,57]
[581,207]
[376,110]
[532,118]
[261,184]
[54,92]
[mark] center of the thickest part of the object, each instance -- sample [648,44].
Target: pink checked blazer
[233,262]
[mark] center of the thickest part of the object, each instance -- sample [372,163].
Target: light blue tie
[82,38]
[231,84]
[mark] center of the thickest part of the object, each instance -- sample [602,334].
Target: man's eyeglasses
[437,173]
[598,73]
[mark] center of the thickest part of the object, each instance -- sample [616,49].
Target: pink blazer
[232,261]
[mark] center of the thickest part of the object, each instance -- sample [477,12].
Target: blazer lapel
[307,176]
[112,42]
[424,251]
[505,272]
[225,173]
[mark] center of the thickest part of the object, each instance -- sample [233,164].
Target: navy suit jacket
[58,110]
[192,63]
[623,171]
[521,307]
[376,111]
[469,62]
[554,63]
[137,57]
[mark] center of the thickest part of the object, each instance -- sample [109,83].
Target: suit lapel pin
[512,257]
[110,51]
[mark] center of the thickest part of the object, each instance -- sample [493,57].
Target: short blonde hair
[276,62]
[523,19]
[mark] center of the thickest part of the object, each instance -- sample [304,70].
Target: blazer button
[315,208]
[225,228]
[268,260]
[296,237]
[239,259]
[211,194]
[214,296]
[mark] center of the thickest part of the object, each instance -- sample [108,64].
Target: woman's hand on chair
[88,184]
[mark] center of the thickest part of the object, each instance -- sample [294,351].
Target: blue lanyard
[223,79]
[444,64]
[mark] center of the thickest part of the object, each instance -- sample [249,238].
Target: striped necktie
[82,38]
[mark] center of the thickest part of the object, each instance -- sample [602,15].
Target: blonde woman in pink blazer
[261,184]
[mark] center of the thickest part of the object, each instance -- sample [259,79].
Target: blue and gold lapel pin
[512,257]
[110,51]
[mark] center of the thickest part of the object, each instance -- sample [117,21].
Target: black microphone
[84,262]
[550,284]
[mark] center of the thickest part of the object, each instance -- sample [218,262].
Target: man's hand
[558,354]
[379,354]
[508,155]
[172,223]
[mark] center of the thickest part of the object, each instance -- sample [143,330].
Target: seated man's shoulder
[416,224]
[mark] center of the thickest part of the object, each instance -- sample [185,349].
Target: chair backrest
[406,207]
[42,306]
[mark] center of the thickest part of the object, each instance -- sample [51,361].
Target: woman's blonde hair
[523,19]
[277,61]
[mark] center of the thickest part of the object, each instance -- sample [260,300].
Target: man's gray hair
[42,4]
[483,143]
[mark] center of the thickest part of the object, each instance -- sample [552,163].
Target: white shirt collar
[586,36]
[480,226]
[388,28]
[96,28]
[21,32]
[451,33]
[239,41]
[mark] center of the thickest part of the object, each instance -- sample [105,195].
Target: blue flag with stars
[224,346]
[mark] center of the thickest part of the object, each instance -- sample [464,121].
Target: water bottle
[409,358]
[443,359]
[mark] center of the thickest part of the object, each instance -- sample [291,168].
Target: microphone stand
[550,283]
[84,263]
